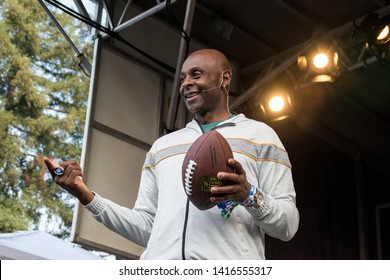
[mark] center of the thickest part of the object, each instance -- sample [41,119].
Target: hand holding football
[207,156]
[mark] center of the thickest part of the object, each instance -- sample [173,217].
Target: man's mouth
[191,94]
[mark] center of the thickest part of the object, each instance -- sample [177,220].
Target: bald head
[216,56]
[204,84]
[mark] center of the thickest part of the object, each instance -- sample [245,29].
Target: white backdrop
[124,120]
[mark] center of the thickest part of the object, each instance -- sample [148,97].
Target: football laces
[188,176]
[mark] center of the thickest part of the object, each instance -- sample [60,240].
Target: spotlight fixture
[321,64]
[320,60]
[384,36]
[276,105]
[377,30]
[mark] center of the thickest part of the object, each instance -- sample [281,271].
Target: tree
[43,96]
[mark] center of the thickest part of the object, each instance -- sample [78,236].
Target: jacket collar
[229,122]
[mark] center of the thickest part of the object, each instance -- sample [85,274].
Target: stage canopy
[38,245]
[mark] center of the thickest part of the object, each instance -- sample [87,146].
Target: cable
[108,31]
[184,34]
[184,233]
[116,36]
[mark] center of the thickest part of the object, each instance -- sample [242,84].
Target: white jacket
[171,228]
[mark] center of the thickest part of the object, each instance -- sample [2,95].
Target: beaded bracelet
[250,199]
[227,206]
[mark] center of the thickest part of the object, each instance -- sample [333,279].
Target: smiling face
[204,77]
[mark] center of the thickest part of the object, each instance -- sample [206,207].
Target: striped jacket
[169,227]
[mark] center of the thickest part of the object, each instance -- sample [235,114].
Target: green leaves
[43,97]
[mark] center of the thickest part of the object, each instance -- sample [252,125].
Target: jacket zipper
[183,244]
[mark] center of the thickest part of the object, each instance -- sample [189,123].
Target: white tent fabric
[38,245]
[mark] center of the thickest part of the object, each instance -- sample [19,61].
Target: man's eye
[196,75]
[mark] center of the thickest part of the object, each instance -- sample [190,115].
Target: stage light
[320,60]
[319,65]
[276,105]
[377,31]
[384,36]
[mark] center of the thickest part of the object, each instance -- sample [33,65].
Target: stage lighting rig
[320,64]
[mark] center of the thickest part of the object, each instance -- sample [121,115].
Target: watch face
[258,200]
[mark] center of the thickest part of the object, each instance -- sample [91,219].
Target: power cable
[109,32]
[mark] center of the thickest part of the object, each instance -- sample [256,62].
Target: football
[207,156]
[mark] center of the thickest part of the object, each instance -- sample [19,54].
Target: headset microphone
[208,89]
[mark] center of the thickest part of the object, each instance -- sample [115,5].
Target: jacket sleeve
[278,215]
[134,224]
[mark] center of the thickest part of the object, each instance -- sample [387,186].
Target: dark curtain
[326,183]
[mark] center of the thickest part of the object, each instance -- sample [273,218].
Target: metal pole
[140,17]
[269,77]
[59,27]
[182,53]
[362,63]
[128,4]
[83,60]
[98,17]
[80,6]
[360,208]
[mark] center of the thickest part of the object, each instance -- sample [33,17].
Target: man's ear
[226,78]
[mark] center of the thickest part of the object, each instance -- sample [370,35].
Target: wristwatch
[258,199]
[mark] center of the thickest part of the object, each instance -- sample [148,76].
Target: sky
[87,3]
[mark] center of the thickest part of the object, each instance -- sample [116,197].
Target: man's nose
[185,82]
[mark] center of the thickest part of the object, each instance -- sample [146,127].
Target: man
[163,220]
